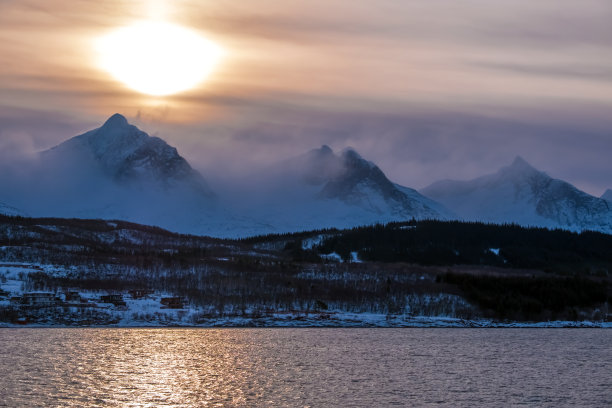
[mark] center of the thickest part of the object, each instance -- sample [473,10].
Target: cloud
[564,72]
[414,149]
[427,90]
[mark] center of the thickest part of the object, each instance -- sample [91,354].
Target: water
[305,367]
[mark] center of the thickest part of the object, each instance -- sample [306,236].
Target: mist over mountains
[129,156]
[521,194]
[119,172]
[115,171]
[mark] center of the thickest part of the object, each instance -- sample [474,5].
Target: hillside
[398,274]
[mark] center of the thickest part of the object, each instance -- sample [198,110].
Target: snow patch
[332,257]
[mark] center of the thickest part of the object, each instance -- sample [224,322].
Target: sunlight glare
[157,58]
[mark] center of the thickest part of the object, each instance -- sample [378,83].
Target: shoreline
[352,320]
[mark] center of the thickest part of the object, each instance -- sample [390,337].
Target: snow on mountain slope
[116,172]
[521,194]
[321,189]
[607,195]
[6,209]
[127,154]
[361,183]
[119,172]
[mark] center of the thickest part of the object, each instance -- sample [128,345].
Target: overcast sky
[425,89]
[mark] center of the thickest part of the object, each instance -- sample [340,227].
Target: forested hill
[467,243]
[414,242]
[400,270]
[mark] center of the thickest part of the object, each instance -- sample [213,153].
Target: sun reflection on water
[302,367]
[167,368]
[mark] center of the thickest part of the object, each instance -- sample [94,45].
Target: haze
[427,90]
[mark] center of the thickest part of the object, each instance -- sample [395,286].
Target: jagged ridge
[128,154]
[520,193]
[350,178]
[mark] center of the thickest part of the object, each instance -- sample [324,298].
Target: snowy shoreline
[343,320]
[148,308]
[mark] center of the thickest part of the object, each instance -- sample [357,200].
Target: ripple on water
[304,367]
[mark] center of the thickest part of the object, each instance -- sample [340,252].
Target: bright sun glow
[157,58]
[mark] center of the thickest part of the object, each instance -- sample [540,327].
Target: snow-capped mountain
[119,172]
[322,189]
[349,178]
[521,194]
[6,209]
[607,195]
[114,172]
[128,155]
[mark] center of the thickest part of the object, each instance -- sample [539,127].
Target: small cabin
[140,293]
[72,296]
[114,299]
[175,302]
[21,320]
[39,299]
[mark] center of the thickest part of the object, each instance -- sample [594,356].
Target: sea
[289,367]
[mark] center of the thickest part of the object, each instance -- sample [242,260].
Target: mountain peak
[130,155]
[607,195]
[521,194]
[519,162]
[350,154]
[362,184]
[115,121]
[353,159]
[350,151]
[326,149]
[323,153]
[518,168]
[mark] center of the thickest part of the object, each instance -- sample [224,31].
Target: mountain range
[118,171]
[521,194]
[324,189]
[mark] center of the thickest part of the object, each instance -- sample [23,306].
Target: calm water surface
[305,367]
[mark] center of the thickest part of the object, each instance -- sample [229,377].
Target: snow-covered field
[148,311]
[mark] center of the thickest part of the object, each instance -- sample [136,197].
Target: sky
[427,90]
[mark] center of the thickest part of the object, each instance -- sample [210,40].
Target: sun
[157,58]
